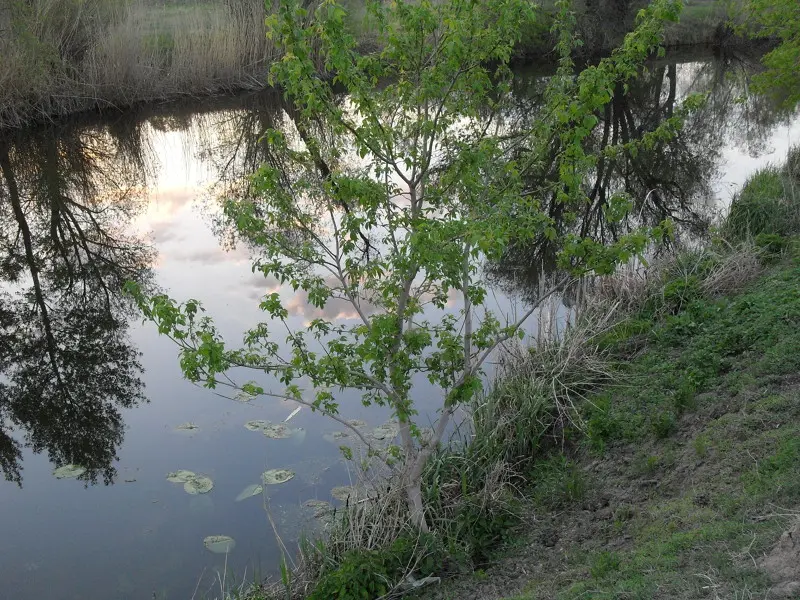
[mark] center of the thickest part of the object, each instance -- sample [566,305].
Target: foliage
[768,203]
[398,232]
[374,573]
[702,344]
[772,244]
[778,19]
[739,451]
[557,482]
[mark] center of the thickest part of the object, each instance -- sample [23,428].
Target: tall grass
[63,56]
[769,202]
[539,390]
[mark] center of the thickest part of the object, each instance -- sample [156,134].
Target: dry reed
[114,54]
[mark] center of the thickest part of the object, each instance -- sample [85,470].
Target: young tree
[392,194]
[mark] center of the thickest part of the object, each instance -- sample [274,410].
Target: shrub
[664,423]
[772,244]
[470,501]
[766,204]
[369,574]
[539,392]
[679,293]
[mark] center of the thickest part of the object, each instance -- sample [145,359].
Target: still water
[90,203]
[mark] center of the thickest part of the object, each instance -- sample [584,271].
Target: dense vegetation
[405,231]
[677,470]
[64,56]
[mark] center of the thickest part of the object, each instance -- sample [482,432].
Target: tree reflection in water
[673,179]
[67,367]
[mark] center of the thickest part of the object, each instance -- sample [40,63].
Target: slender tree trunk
[30,257]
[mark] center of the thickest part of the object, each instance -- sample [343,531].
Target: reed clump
[64,56]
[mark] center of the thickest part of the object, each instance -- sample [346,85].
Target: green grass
[724,461]
[768,204]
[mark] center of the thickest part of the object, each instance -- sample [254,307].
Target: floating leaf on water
[244,397]
[219,544]
[277,431]
[181,476]
[357,423]
[320,508]
[275,476]
[293,413]
[257,425]
[69,472]
[336,436]
[387,431]
[250,491]
[343,492]
[198,485]
[186,427]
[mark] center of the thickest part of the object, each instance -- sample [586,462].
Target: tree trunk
[415,506]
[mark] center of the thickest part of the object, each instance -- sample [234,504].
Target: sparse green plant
[557,482]
[701,445]
[605,563]
[427,246]
[663,424]
[645,463]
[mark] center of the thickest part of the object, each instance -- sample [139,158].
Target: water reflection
[671,179]
[66,364]
[68,369]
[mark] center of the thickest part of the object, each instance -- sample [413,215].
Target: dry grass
[718,269]
[120,52]
[362,524]
[733,271]
[538,391]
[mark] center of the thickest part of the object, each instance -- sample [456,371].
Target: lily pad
[277,431]
[336,436]
[276,476]
[343,493]
[198,485]
[69,472]
[387,431]
[186,427]
[244,397]
[181,476]
[320,508]
[251,490]
[257,425]
[219,544]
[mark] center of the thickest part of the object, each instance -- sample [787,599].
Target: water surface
[134,196]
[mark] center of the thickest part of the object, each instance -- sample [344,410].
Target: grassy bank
[649,451]
[686,473]
[66,56]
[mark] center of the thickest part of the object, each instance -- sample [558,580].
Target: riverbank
[673,473]
[99,55]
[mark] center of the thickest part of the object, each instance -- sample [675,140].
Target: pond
[90,203]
